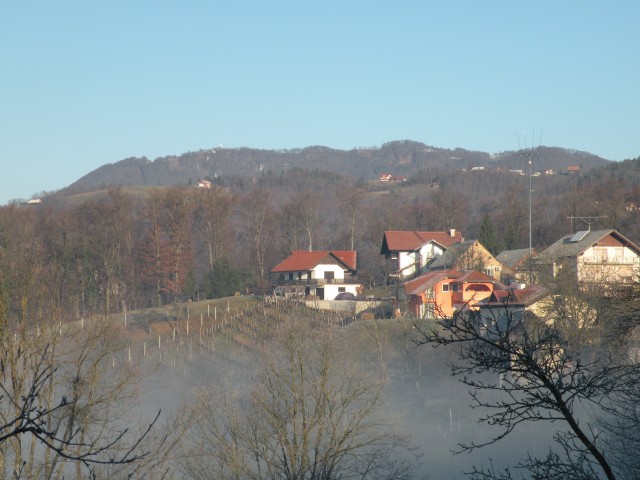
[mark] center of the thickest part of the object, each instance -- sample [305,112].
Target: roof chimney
[452,232]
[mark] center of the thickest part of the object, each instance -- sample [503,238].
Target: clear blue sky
[83,84]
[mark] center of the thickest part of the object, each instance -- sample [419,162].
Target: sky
[83,84]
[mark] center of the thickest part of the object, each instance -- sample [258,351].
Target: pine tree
[488,236]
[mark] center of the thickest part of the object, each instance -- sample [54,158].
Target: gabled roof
[428,280]
[574,244]
[512,258]
[473,276]
[301,260]
[514,297]
[409,241]
[452,254]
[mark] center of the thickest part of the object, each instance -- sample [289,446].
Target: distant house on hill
[323,274]
[592,257]
[412,251]
[387,177]
[204,184]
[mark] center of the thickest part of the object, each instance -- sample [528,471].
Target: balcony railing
[610,261]
[319,281]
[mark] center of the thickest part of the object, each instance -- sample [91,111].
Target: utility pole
[529,154]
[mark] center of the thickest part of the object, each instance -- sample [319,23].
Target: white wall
[620,255]
[404,260]
[427,252]
[318,272]
[331,290]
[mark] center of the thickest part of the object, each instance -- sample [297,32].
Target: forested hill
[400,158]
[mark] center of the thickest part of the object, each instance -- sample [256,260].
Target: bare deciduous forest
[131,314]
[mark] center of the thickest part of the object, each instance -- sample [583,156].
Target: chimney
[452,232]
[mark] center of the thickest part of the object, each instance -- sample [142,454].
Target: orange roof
[301,260]
[423,282]
[406,241]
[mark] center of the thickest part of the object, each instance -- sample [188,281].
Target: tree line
[119,251]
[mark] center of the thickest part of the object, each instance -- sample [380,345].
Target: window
[341,289]
[291,276]
[328,275]
[600,254]
[455,287]
[445,287]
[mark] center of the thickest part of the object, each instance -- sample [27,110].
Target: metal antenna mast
[588,220]
[529,154]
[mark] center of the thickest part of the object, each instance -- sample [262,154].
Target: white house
[323,274]
[412,251]
[598,256]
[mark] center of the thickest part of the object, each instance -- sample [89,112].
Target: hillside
[424,400]
[401,158]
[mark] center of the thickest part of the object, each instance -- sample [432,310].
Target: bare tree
[256,210]
[64,407]
[178,221]
[350,200]
[213,217]
[450,209]
[524,370]
[308,416]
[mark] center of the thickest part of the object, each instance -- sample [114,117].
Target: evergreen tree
[488,236]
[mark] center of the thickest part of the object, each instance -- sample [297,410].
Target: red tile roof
[301,260]
[423,282]
[525,296]
[406,241]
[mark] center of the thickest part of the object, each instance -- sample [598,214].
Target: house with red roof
[427,296]
[506,307]
[412,251]
[471,288]
[323,274]
[442,293]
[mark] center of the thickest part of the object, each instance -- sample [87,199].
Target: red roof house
[324,274]
[413,250]
[442,293]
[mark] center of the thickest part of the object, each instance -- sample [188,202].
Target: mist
[424,401]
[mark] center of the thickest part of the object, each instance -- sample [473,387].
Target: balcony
[319,281]
[610,261]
